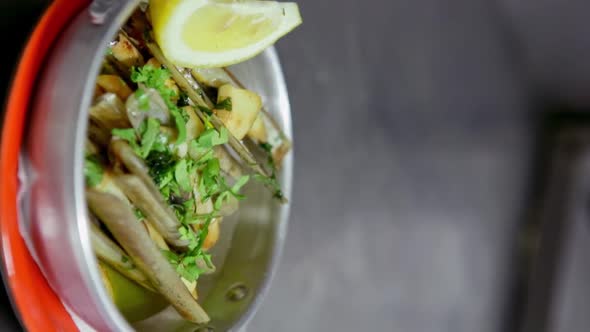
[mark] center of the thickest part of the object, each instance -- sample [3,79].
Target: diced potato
[170,132]
[245,108]
[126,53]
[258,130]
[212,236]
[98,91]
[114,84]
[153,62]
[194,126]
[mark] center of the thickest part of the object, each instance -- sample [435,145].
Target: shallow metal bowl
[54,222]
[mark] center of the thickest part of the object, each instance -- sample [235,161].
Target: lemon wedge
[217,33]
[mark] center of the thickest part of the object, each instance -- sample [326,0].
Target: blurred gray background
[416,124]
[416,131]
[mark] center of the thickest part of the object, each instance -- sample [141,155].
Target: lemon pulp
[215,28]
[217,33]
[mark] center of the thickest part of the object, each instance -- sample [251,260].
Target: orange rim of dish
[35,303]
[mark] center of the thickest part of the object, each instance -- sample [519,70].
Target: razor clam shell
[157,212]
[131,234]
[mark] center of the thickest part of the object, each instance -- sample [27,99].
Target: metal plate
[252,239]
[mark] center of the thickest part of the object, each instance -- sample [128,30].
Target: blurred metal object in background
[417,175]
[431,117]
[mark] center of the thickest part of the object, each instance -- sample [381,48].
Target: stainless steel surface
[246,254]
[416,129]
[99,9]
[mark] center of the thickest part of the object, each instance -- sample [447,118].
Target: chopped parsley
[210,179]
[192,264]
[138,214]
[180,122]
[205,110]
[271,181]
[211,137]
[156,78]
[203,145]
[92,170]
[179,179]
[266,147]
[160,163]
[153,78]
[181,175]
[143,99]
[225,104]
[128,135]
[149,136]
[183,100]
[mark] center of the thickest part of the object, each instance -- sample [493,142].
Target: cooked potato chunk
[245,106]
[154,63]
[114,84]
[212,236]
[258,130]
[170,84]
[126,53]
[194,126]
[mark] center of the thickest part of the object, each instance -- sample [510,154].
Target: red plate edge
[37,306]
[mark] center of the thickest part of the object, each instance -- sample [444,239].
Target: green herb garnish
[138,214]
[149,136]
[156,78]
[225,104]
[180,124]
[175,177]
[272,183]
[183,100]
[272,180]
[266,147]
[205,110]
[203,145]
[181,175]
[153,78]
[92,170]
[192,264]
[143,100]
[160,164]
[128,135]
